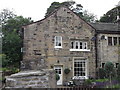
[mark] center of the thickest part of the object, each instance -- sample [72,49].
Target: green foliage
[12,48]
[109,69]
[89,17]
[101,80]
[111,15]
[57,77]
[4,60]
[15,24]
[88,82]
[6,14]
[67,70]
[101,73]
[10,69]
[118,71]
[12,43]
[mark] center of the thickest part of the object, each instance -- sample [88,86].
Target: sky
[36,9]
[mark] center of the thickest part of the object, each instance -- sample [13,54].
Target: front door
[58,70]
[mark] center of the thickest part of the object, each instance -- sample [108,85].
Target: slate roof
[105,26]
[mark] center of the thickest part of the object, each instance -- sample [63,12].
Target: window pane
[103,64]
[76,46]
[81,45]
[110,41]
[84,45]
[79,67]
[58,41]
[115,40]
[72,45]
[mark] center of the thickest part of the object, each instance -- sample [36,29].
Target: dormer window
[58,42]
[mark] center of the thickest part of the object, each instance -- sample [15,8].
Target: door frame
[61,66]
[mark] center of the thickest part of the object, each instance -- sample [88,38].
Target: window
[79,67]
[72,45]
[79,46]
[84,45]
[116,65]
[58,42]
[76,45]
[102,65]
[115,40]
[110,41]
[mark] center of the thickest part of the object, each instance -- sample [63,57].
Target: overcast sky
[36,9]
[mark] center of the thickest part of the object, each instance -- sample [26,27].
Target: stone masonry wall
[39,41]
[105,52]
[32,79]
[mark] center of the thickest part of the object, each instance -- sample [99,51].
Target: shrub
[109,69]
[57,77]
[101,73]
[118,71]
[67,70]
[88,82]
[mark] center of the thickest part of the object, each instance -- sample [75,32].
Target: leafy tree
[16,23]
[109,69]
[11,47]
[5,15]
[89,17]
[12,42]
[111,15]
[101,73]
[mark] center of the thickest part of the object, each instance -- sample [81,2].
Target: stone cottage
[64,40]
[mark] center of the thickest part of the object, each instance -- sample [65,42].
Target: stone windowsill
[86,50]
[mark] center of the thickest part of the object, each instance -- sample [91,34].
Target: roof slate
[105,26]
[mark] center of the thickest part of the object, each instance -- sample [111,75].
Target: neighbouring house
[64,40]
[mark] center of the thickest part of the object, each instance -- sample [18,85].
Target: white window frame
[84,44]
[81,60]
[59,41]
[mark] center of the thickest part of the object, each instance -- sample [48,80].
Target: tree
[76,8]
[109,69]
[5,15]
[12,42]
[101,73]
[11,47]
[15,23]
[111,15]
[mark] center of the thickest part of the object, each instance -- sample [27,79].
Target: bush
[118,71]
[101,73]
[88,82]
[67,70]
[109,69]
[57,77]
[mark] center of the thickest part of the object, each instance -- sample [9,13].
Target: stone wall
[105,52]
[32,79]
[39,42]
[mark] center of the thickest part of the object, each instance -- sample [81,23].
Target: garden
[107,77]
